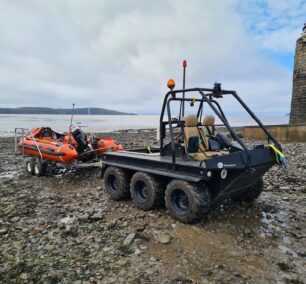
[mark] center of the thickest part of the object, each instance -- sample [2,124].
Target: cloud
[275,24]
[119,54]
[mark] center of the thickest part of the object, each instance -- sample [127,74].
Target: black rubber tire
[252,193]
[146,190]
[186,202]
[39,168]
[30,166]
[116,183]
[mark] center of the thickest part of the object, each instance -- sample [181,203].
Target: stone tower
[298,103]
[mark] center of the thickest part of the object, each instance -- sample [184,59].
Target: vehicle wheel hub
[179,200]
[36,169]
[141,191]
[29,167]
[112,183]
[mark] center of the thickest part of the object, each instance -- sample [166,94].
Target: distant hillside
[45,110]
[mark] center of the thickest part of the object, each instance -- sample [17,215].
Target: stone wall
[298,103]
[285,133]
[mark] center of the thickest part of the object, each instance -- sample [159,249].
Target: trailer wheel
[116,183]
[251,193]
[186,202]
[145,190]
[30,166]
[39,168]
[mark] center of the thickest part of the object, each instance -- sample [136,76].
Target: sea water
[107,123]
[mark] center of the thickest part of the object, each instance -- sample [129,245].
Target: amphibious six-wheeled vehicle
[195,166]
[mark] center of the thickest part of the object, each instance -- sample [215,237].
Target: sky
[119,54]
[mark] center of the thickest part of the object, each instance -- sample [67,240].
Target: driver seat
[192,131]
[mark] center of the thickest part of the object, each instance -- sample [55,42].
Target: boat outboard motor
[81,139]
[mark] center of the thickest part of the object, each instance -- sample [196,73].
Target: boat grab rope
[279,156]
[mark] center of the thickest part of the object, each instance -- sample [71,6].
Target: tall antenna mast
[89,118]
[182,108]
[71,116]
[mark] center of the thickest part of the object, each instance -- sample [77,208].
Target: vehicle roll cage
[206,95]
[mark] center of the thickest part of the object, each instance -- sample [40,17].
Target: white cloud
[276,24]
[119,54]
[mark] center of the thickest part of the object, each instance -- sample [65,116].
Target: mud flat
[62,228]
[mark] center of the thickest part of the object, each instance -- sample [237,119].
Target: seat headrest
[209,120]
[191,121]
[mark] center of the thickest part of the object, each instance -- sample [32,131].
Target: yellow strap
[149,149]
[276,151]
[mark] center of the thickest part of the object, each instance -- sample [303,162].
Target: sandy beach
[63,228]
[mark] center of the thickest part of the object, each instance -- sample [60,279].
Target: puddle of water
[10,174]
[273,222]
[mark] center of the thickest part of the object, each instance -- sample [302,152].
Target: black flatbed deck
[155,163]
[190,170]
[154,157]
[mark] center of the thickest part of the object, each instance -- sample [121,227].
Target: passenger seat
[208,123]
[191,130]
[213,140]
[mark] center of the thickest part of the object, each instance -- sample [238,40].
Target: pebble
[15,219]
[83,217]
[24,276]
[269,188]
[97,216]
[161,237]
[137,251]
[286,187]
[153,259]
[143,247]
[129,239]
[3,231]
[106,249]
[67,220]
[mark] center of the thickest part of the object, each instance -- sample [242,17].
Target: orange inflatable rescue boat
[65,148]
